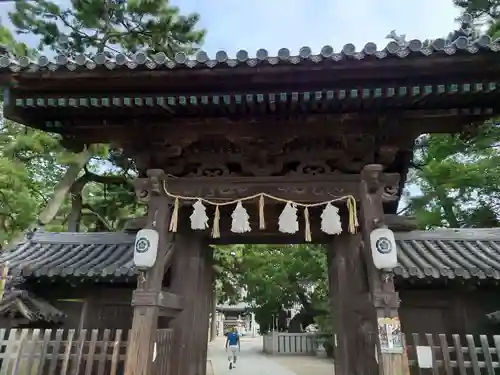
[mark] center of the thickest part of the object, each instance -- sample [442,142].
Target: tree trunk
[63,188]
[447,206]
[213,325]
[60,192]
[75,216]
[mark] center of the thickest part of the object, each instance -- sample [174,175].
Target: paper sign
[390,337]
[424,356]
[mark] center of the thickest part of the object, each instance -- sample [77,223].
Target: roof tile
[22,302]
[448,253]
[141,60]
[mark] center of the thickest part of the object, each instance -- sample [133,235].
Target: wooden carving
[212,170]
[264,155]
[211,144]
[156,178]
[386,154]
[141,186]
[313,168]
[301,188]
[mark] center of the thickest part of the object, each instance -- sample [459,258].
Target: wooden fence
[71,352]
[454,354]
[290,343]
[449,354]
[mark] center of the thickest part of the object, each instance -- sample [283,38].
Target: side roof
[444,253]
[23,303]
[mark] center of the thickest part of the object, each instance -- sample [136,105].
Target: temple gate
[300,132]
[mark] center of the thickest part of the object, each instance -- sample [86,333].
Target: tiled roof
[395,48]
[241,306]
[448,253]
[76,254]
[23,303]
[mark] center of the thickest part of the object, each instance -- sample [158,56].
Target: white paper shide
[199,218]
[288,221]
[240,222]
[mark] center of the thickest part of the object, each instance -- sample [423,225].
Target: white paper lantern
[383,245]
[146,248]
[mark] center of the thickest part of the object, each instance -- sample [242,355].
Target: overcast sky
[273,24]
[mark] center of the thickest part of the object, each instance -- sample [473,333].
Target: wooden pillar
[191,279]
[213,312]
[383,296]
[145,320]
[353,316]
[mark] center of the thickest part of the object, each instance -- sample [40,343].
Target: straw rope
[349,199]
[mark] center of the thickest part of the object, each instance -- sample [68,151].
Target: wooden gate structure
[306,128]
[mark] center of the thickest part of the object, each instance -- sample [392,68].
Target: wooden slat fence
[290,343]
[455,354]
[451,354]
[72,352]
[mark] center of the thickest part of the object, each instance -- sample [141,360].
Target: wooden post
[353,315]
[145,321]
[213,312]
[3,279]
[191,279]
[206,282]
[383,296]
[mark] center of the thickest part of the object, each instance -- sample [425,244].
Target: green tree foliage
[459,179]
[7,40]
[108,25]
[29,169]
[485,12]
[227,267]
[276,278]
[29,164]
[41,183]
[32,164]
[480,8]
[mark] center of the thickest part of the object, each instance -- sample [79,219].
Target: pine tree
[95,26]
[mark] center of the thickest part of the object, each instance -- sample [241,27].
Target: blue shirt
[232,338]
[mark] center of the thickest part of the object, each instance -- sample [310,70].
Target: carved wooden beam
[298,188]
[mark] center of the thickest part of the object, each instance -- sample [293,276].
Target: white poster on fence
[424,356]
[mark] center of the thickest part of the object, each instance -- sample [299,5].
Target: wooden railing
[290,343]
[455,354]
[102,352]
[71,352]
[449,354]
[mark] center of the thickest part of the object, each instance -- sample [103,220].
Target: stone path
[252,362]
[302,365]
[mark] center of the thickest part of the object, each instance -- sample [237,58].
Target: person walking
[233,342]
